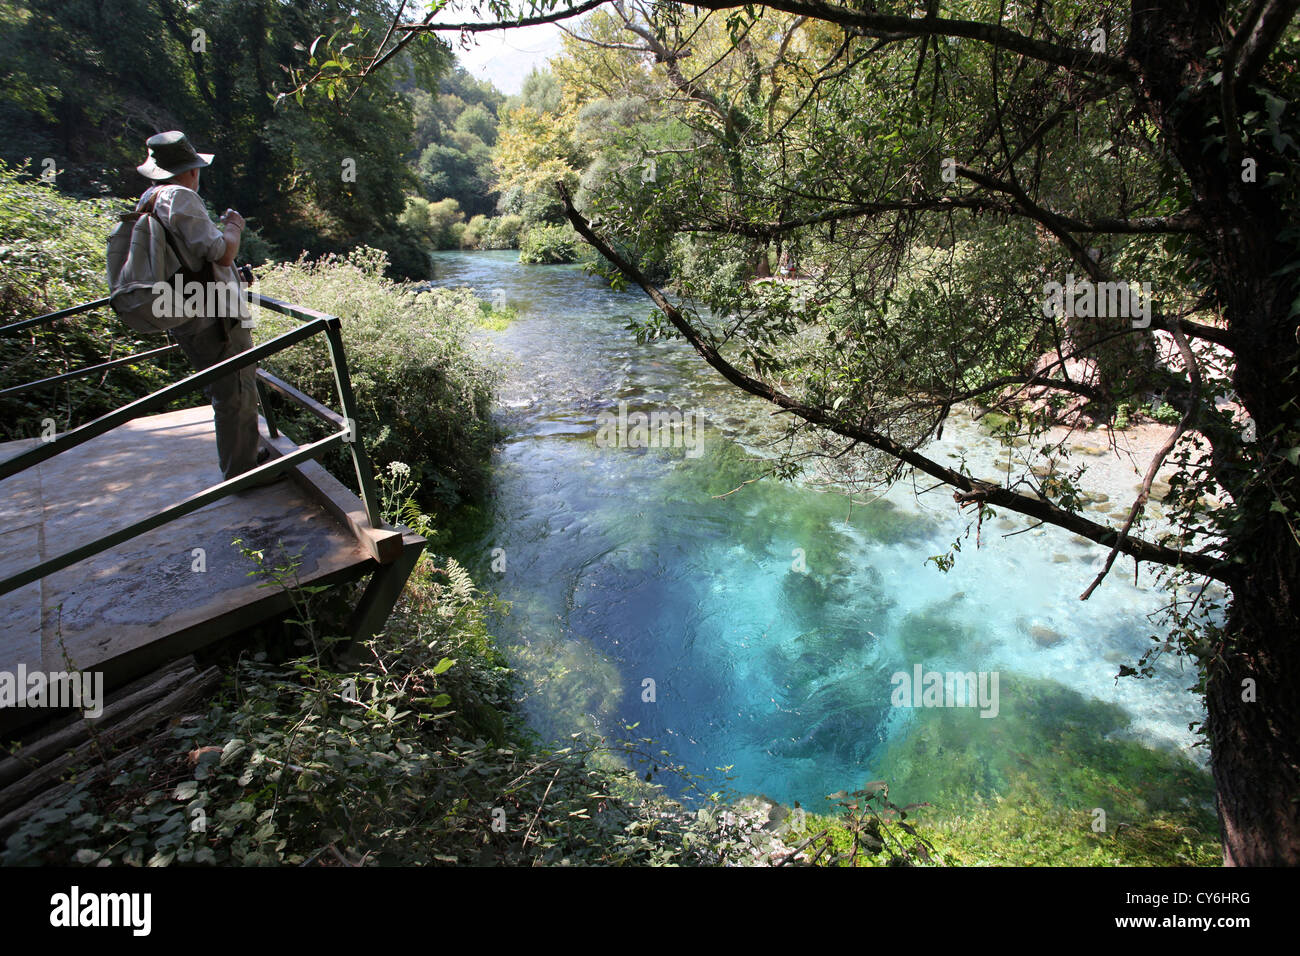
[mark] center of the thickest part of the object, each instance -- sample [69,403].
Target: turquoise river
[762,631]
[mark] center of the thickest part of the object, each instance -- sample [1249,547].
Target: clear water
[621,565]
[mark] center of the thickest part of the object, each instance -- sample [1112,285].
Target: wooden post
[384,588]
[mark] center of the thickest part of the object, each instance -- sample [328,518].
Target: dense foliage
[549,244]
[455,130]
[83,85]
[423,390]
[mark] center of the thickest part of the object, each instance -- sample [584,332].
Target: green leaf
[232,750]
[1274,105]
[186,790]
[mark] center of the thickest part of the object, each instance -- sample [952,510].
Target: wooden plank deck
[131,608]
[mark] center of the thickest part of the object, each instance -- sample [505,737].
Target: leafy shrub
[475,231]
[437,225]
[549,244]
[482,232]
[504,232]
[423,395]
[1165,413]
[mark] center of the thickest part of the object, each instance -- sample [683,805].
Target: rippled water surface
[772,620]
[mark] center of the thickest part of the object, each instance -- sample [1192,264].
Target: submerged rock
[1045,636]
[1159,490]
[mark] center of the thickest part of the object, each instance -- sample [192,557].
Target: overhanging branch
[873,24]
[970,490]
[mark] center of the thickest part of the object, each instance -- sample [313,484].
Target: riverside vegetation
[409,748]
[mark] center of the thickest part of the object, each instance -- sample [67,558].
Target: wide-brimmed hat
[171,154]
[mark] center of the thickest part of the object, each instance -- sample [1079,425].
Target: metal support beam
[75,373]
[360,460]
[272,428]
[53,316]
[302,399]
[384,588]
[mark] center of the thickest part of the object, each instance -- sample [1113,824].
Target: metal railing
[313,323]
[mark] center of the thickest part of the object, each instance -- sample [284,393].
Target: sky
[507,56]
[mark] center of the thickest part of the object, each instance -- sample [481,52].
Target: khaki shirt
[197,237]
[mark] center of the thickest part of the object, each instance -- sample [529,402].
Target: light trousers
[233,396]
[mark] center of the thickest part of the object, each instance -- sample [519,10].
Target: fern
[460,583]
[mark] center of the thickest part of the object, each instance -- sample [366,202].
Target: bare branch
[1157,460]
[874,24]
[483,27]
[1180,222]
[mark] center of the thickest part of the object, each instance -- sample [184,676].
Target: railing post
[271,428]
[360,460]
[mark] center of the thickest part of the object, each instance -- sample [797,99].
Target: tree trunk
[1253,680]
[1255,744]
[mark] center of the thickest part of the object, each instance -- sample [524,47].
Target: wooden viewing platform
[117,538]
[134,607]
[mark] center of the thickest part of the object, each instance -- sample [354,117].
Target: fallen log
[40,751]
[31,792]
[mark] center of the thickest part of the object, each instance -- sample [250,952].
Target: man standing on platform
[207,254]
